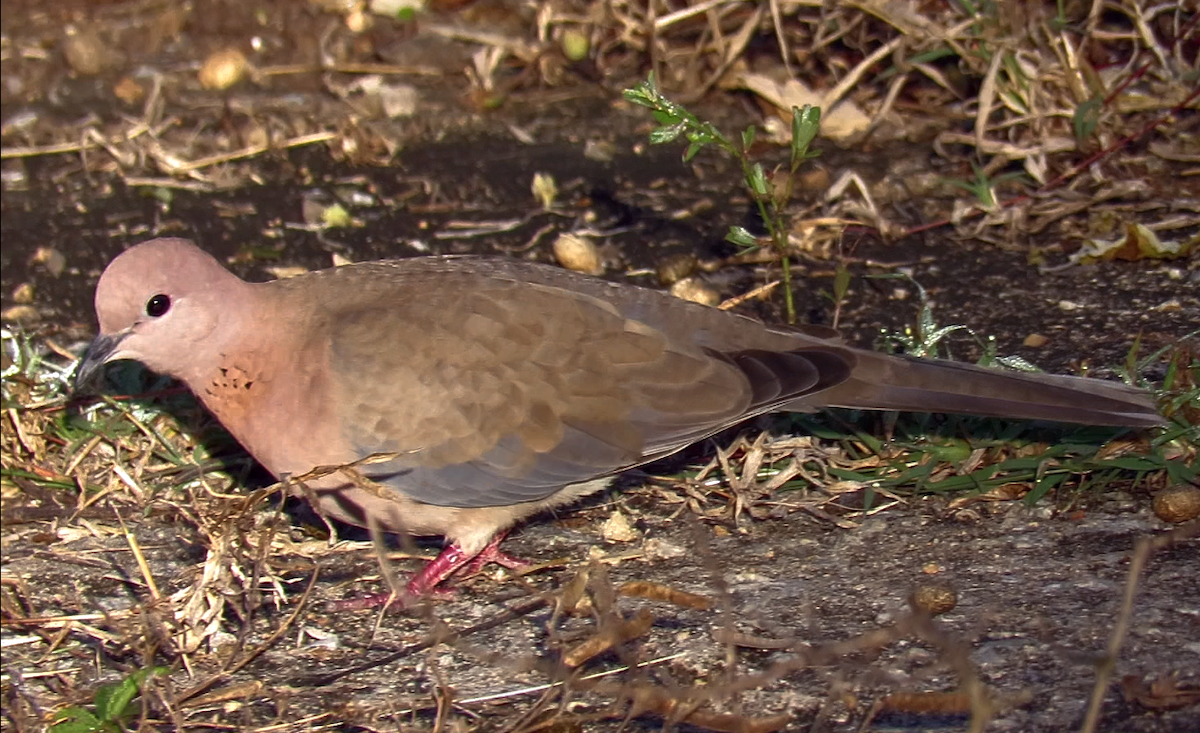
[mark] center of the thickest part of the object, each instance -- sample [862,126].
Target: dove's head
[163,303]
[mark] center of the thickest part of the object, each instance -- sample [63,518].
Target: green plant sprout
[111,706]
[983,187]
[675,121]
[925,339]
[1086,118]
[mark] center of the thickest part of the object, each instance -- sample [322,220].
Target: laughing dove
[487,390]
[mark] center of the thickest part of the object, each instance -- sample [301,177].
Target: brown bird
[491,389]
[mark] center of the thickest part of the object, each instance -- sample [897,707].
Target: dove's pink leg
[451,561]
[493,553]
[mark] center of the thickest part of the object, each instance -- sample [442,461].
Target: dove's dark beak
[94,359]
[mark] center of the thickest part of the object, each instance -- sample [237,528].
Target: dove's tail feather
[882,382]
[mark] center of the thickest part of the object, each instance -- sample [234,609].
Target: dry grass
[110,478]
[1015,88]
[1012,87]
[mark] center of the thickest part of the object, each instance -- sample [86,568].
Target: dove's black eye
[158,305]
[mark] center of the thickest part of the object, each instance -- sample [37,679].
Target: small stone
[222,69]
[399,100]
[1036,340]
[673,268]
[86,53]
[696,290]
[618,529]
[51,259]
[20,314]
[578,253]
[813,179]
[663,550]
[358,21]
[575,44]
[336,216]
[544,189]
[23,294]
[601,151]
[1177,504]
[933,598]
[129,91]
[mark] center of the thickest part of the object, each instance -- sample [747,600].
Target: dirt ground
[711,603]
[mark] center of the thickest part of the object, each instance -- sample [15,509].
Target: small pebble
[222,69]
[933,598]
[674,268]
[696,290]
[578,253]
[20,314]
[602,151]
[575,44]
[399,100]
[663,550]
[618,529]
[86,53]
[129,91]
[357,21]
[23,294]
[51,259]
[544,189]
[1177,504]
[813,179]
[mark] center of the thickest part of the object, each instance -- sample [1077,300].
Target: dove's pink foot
[451,561]
[489,554]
